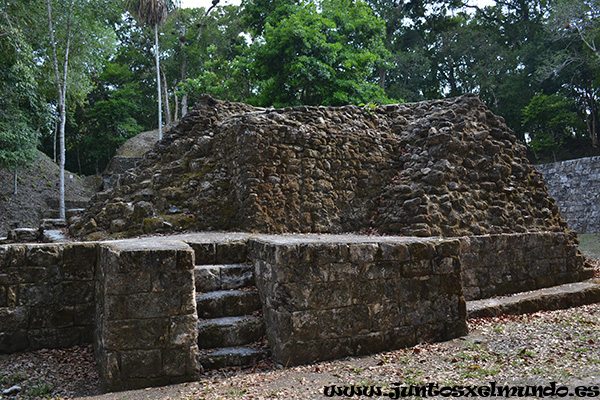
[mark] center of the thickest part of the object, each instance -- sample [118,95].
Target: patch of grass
[41,389]
[235,392]
[12,379]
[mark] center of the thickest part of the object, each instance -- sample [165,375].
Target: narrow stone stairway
[230,328]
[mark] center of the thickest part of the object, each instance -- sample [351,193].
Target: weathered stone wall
[572,184]
[46,295]
[436,168]
[498,265]
[118,165]
[146,314]
[330,297]
[324,296]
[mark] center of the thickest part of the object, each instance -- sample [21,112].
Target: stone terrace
[338,294]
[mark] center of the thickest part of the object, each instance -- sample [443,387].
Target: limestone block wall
[327,297]
[573,185]
[497,265]
[146,320]
[46,295]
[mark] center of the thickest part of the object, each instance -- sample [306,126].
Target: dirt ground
[35,184]
[535,349]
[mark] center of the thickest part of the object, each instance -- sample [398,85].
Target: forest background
[534,62]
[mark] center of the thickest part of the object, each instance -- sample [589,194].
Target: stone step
[232,357]
[230,331]
[50,223]
[54,236]
[227,303]
[52,202]
[223,277]
[24,235]
[554,298]
[71,212]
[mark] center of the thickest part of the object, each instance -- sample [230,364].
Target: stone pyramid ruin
[435,168]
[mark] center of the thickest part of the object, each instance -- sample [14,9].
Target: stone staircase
[72,208]
[231,331]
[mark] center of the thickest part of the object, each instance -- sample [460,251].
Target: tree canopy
[534,62]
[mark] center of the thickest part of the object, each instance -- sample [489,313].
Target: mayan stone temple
[331,231]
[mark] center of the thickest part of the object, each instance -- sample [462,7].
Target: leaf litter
[535,349]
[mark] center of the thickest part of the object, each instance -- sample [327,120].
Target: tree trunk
[166,97]
[158,82]
[184,98]
[54,146]
[61,88]
[176,108]
[78,160]
[382,76]
[184,105]
[15,192]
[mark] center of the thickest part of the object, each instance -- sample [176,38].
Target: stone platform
[317,297]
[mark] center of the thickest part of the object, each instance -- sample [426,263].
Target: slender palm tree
[154,13]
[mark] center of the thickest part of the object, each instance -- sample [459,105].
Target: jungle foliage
[534,62]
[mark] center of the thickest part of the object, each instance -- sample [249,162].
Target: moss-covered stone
[435,168]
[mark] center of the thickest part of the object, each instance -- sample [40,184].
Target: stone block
[231,252]
[451,285]
[204,253]
[34,295]
[3,296]
[385,316]
[174,362]
[23,235]
[318,272]
[141,364]
[330,295]
[183,331]
[363,253]
[417,267]
[36,275]
[133,282]
[421,251]
[396,252]
[344,322]
[446,266]
[401,337]
[372,291]
[135,334]
[382,270]
[328,253]
[14,318]
[153,305]
[85,314]
[207,278]
[145,256]
[173,281]
[306,325]
[79,261]
[13,341]
[448,248]
[51,317]
[115,307]
[470,260]
[74,292]
[43,255]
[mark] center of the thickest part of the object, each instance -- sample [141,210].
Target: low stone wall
[146,316]
[497,265]
[327,297]
[324,296]
[569,182]
[46,295]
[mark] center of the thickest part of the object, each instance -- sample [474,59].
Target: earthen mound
[445,167]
